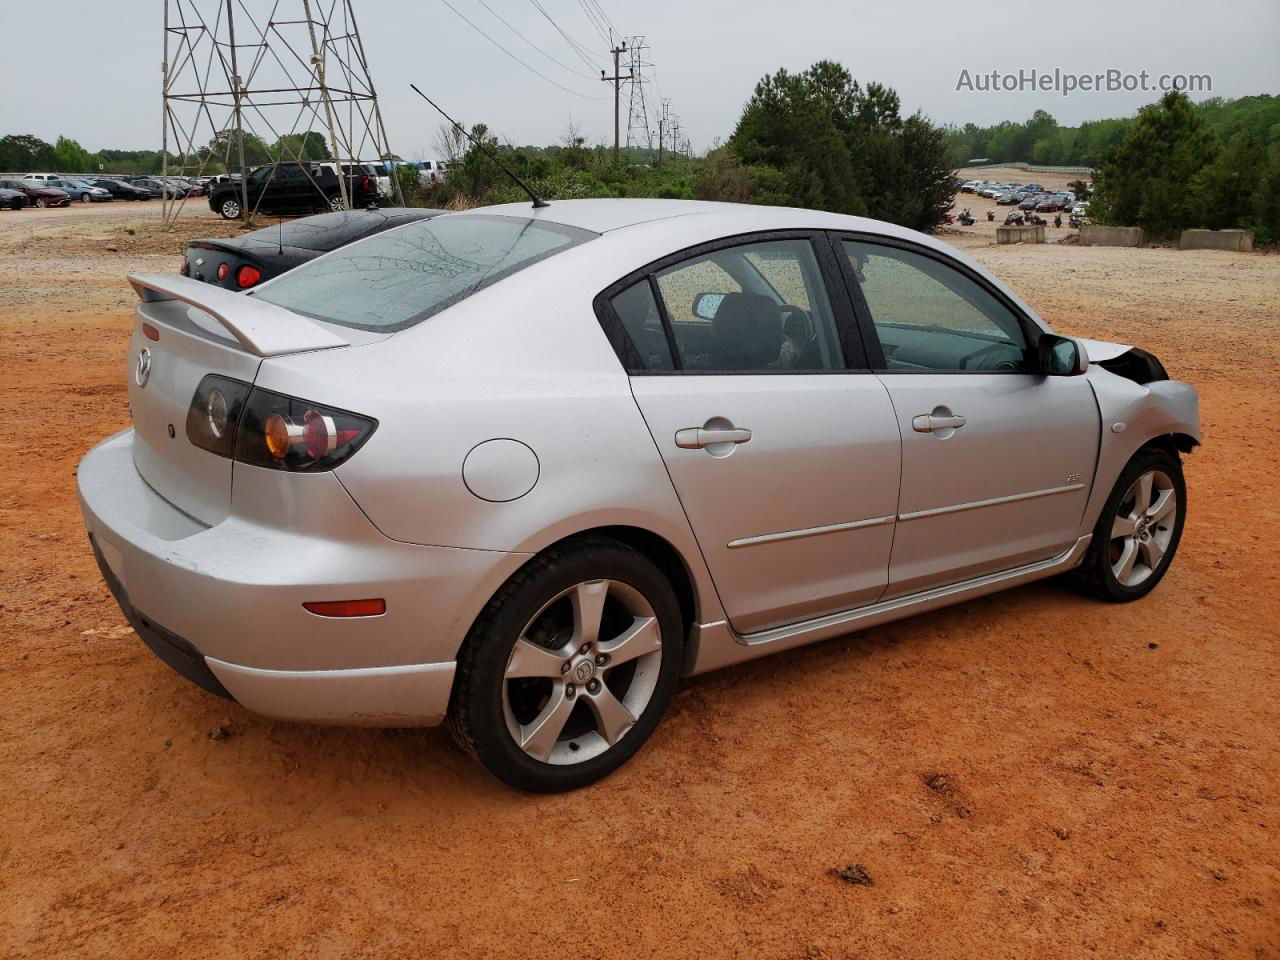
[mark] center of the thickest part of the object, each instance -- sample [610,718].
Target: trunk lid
[185,331]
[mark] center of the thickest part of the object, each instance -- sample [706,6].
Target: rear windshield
[399,278]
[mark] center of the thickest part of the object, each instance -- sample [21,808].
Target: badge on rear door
[142,369]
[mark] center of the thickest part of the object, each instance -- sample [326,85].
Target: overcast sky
[92,71]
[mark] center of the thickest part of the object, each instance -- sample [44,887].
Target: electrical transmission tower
[638,132]
[664,124]
[244,90]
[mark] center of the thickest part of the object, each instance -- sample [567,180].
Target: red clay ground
[1099,796]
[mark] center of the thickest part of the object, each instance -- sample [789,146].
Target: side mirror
[706,305]
[1062,356]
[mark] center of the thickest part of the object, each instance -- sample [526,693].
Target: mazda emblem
[142,369]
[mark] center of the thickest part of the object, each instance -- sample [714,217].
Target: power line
[595,24]
[605,18]
[532,70]
[577,47]
[503,21]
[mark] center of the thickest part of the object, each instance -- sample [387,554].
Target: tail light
[185,269]
[223,270]
[364,183]
[247,276]
[267,429]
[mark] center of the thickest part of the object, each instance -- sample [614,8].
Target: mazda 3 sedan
[523,469]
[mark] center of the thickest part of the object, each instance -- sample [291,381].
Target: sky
[97,76]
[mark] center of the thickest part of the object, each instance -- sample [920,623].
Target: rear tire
[1138,532]
[40,202]
[335,203]
[230,209]
[570,667]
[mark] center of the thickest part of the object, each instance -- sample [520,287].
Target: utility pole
[616,80]
[662,126]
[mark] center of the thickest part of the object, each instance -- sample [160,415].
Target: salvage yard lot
[1032,774]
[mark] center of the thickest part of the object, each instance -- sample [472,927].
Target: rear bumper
[222,604]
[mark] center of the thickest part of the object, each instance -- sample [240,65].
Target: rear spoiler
[261,328]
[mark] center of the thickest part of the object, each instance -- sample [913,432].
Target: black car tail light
[266,429]
[247,276]
[214,414]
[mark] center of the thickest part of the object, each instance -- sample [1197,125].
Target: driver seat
[746,333]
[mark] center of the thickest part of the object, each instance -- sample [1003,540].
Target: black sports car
[238,263]
[12,199]
[120,190]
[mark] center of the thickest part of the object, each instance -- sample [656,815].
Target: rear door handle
[928,423]
[695,438]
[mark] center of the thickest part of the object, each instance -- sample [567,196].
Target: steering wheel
[796,323]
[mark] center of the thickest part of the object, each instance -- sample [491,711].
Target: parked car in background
[293,188]
[12,199]
[37,194]
[1006,199]
[520,468]
[120,190]
[1049,204]
[1030,202]
[1080,208]
[432,172]
[81,190]
[40,177]
[158,188]
[239,263]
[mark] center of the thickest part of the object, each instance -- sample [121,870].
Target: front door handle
[931,422]
[695,438]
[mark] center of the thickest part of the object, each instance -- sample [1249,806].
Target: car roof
[607,215]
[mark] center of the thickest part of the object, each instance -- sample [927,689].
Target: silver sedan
[524,469]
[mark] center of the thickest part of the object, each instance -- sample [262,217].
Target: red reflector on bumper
[347,608]
[150,332]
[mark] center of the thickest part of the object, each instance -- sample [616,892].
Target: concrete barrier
[1239,241]
[1096,235]
[1031,234]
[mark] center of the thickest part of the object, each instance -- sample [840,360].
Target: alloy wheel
[582,672]
[336,204]
[1143,528]
[230,209]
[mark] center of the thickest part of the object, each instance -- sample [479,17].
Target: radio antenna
[537,201]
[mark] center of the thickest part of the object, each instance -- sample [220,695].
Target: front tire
[1138,531]
[40,203]
[230,209]
[85,198]
[336,204]
[569,668]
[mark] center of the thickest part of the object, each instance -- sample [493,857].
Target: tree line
[1041,140]
[821,139]
[23,152]
[814,139]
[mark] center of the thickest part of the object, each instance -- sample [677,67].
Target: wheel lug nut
[601,659]
[593,686]
[586,648]
[570,691]
[564,667]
